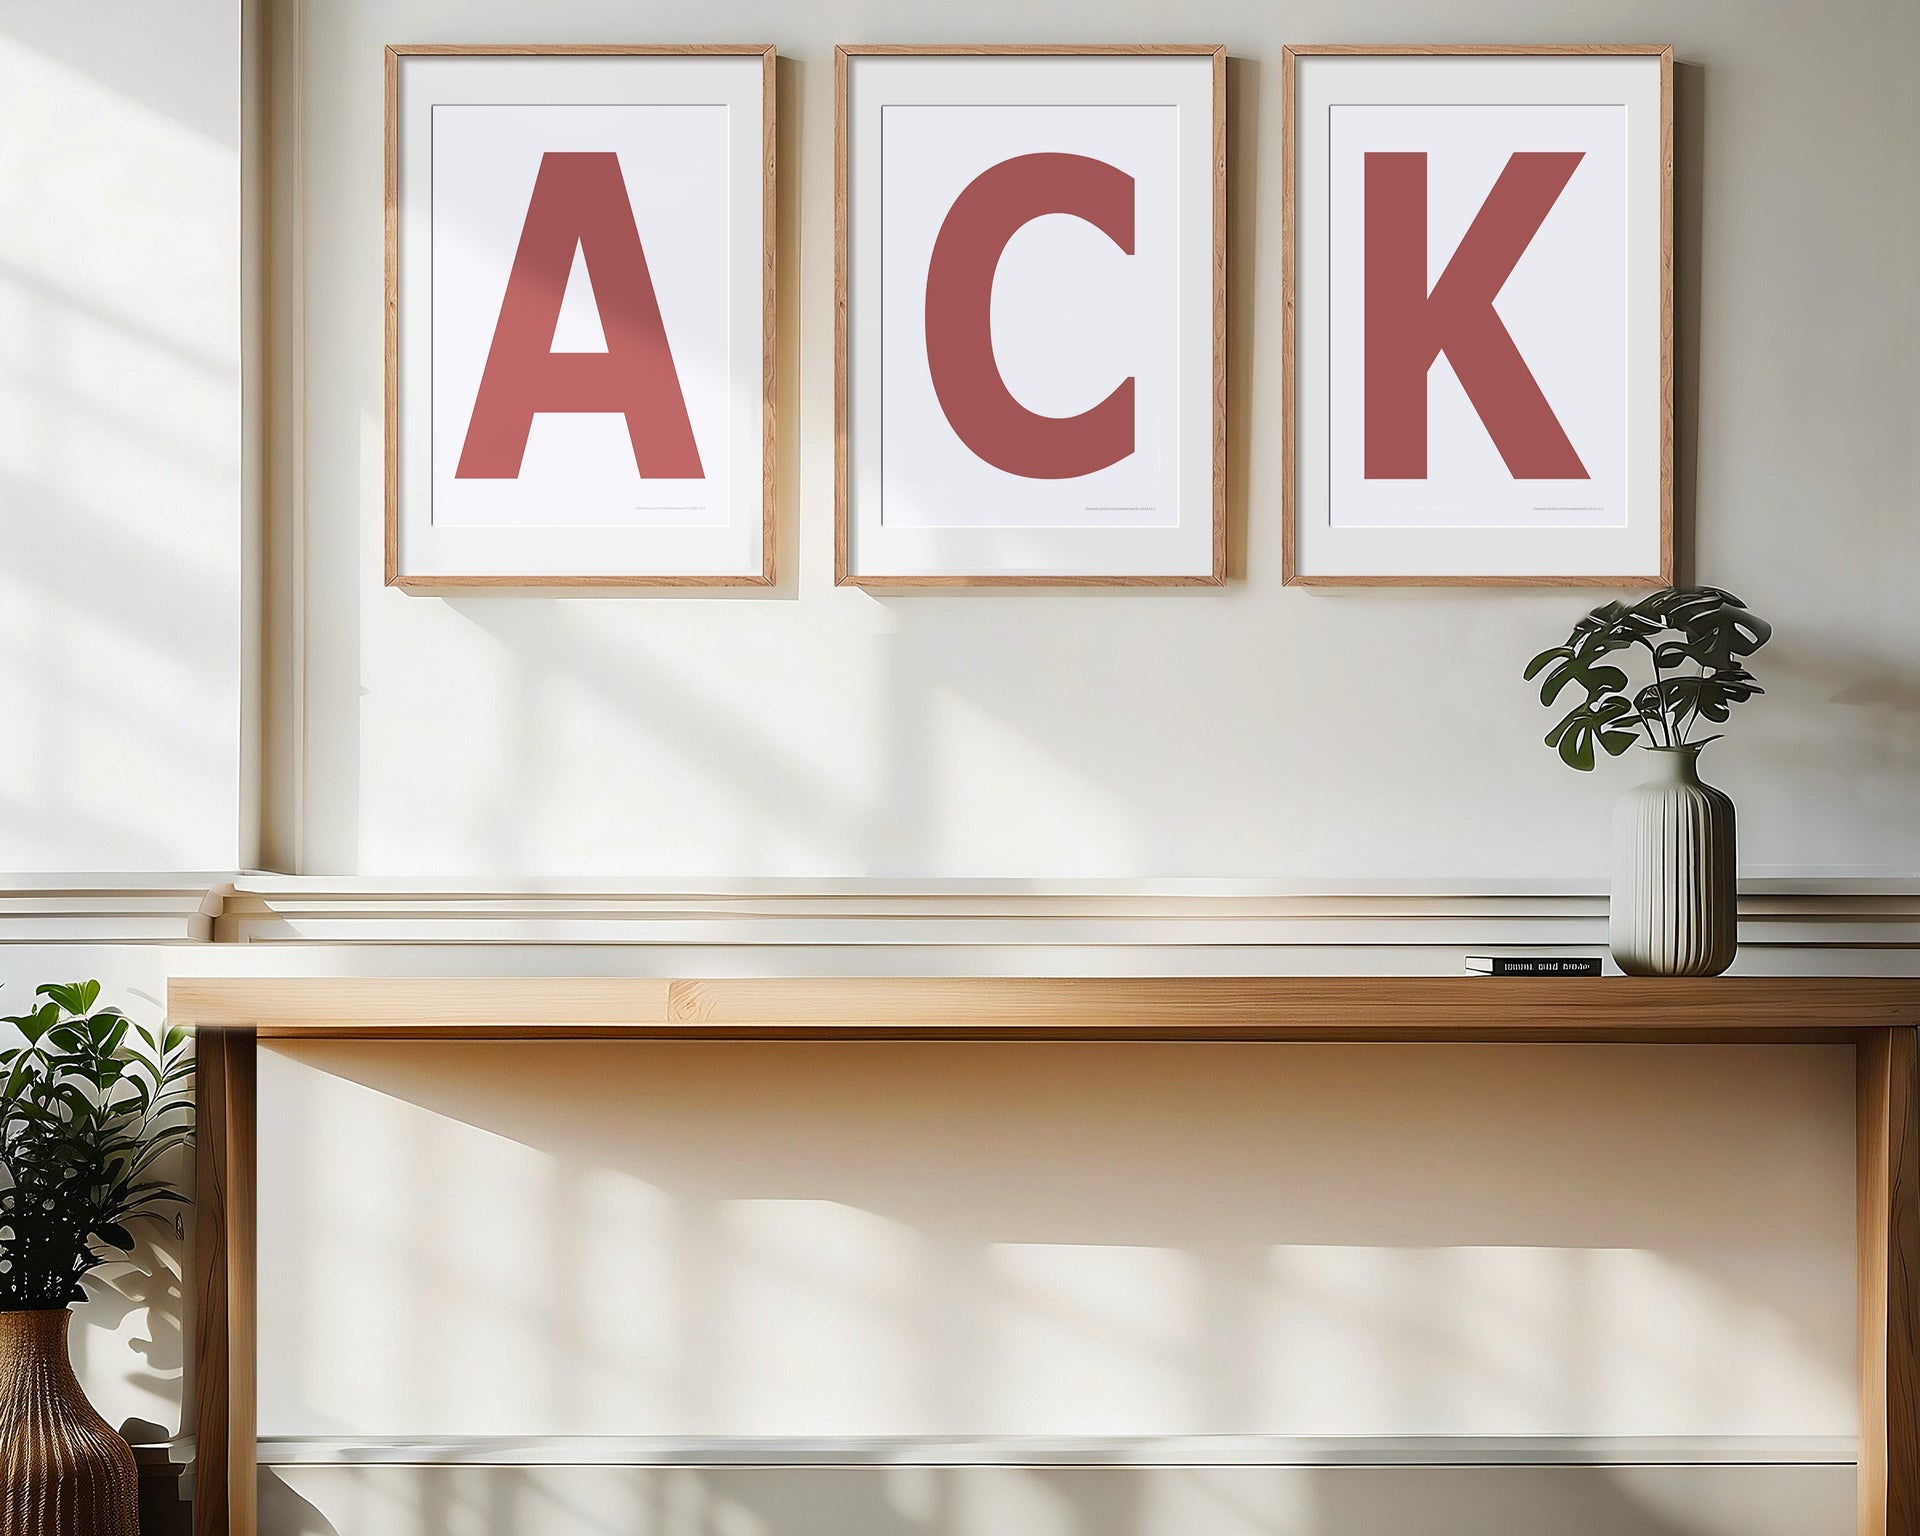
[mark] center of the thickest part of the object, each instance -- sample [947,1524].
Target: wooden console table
[1878,1017]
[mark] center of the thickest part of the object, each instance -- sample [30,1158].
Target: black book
[1534,965]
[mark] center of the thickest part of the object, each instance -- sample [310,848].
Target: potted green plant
[89,1105]
[1674,906]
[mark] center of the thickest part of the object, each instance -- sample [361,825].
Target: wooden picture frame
[749,556]
[1203,434]
[1648,511]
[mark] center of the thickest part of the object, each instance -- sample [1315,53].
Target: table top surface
[1384,1008]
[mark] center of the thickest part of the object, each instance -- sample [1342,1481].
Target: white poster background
[688,132]
[579,469]
[1073,315]
[1015,528]
[1373,534]
[1564,305]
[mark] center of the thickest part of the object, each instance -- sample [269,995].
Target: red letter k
[1408,327]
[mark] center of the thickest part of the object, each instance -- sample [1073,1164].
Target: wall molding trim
[111,909]
[1241,926]
[1087,1451]
[1178,915]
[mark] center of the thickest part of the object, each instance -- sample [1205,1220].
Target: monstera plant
[91,1104]
[1690,645]
[1675,905]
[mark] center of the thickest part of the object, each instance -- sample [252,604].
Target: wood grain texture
[840,575]
[1219,316]
[427,585]
[769,318]
[1726,1009]
[222,1003]
[212,1368]
[243,1430]
[584,50]
[223,1324]
[1290,573]
[1889,1268]
[392,398]
[1520,50]
[1667,372]
[1289,391]
[210,1363]
[842,55]
[1631,582]
[1026,50]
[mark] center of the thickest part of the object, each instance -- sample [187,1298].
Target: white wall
[853,1239]
[122,651]
[1246,732]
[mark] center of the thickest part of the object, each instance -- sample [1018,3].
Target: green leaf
[1719,637]
[74,1099]
[1677,607]
[1603,725]
[115,1236]
[156,1189]
[1611,627]
[34,1025]
[156,1149]
[1576,663]
[120,1024]
[1534,666]
[1597,681]
[73,996]
[1718,692]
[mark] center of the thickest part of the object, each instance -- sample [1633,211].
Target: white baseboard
[1033,1451]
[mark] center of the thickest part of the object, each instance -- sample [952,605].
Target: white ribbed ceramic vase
[1674,904]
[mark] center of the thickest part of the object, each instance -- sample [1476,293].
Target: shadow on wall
[1012,1501]
[848,1239]
[148,1285]
[672,1238]
[128,1336]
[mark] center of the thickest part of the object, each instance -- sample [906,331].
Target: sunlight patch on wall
[119,477]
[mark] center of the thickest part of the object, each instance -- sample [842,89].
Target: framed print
[1478,320]
[580,296]
[1030,328]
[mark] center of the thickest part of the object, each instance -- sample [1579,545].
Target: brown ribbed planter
[63,1471]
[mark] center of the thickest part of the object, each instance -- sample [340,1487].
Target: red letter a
[579,202]
[1408,328]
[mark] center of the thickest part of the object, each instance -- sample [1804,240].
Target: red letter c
[966,376]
